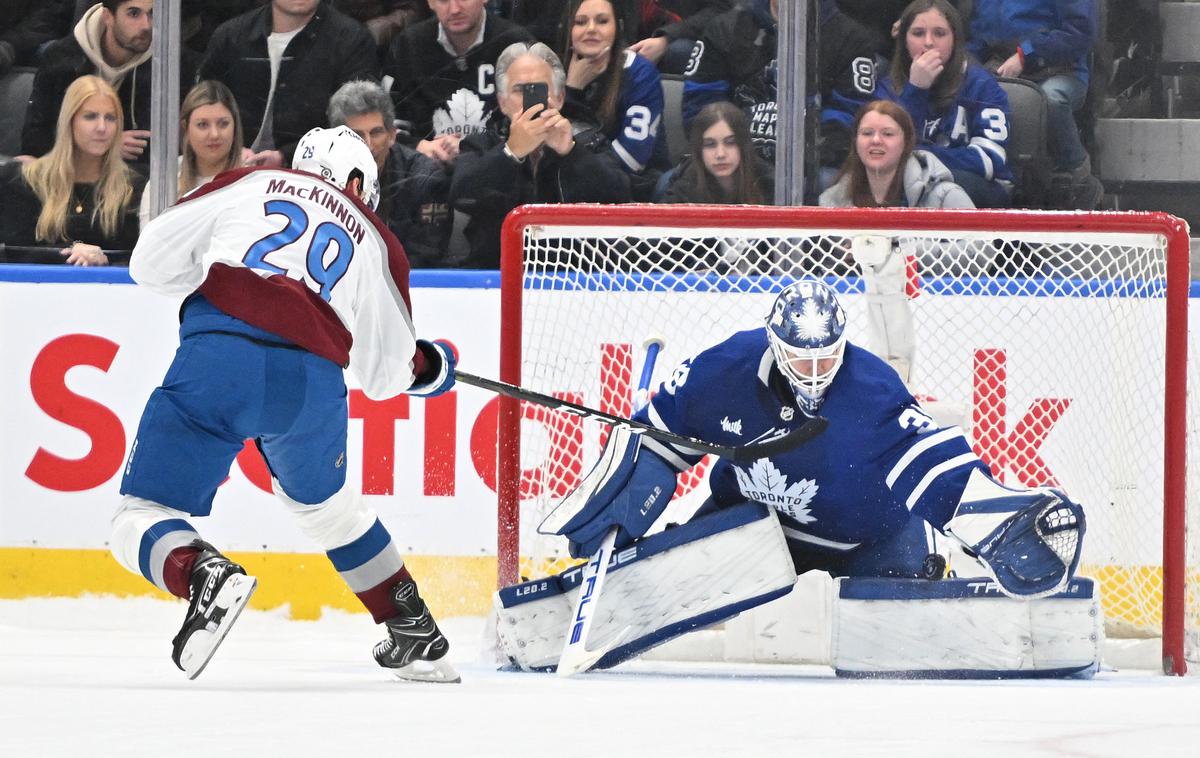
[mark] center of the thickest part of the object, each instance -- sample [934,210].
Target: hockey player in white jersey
[864,499]
[288,278]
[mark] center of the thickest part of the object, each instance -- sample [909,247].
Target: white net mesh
[1048,346]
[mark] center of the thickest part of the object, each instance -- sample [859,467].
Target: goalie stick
[575,657]
[736,453]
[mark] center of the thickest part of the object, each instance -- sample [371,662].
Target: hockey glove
[440,361]
[629,487]
[1030,542]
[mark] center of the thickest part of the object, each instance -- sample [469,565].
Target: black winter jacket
[331,50]
[414,190]
[488,184]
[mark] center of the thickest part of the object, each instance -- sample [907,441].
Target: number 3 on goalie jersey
[324,235]
[911,417]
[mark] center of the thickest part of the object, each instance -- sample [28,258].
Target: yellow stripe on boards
[306,582]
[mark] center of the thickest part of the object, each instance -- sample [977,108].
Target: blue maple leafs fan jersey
[880,460]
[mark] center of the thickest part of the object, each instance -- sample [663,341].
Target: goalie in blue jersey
[866,498]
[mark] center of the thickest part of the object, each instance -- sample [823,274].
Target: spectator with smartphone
[534,157]
[441,72]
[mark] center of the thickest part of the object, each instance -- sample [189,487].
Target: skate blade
[438,671]
[199,648]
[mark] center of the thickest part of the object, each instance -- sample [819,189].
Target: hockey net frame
[1163,238]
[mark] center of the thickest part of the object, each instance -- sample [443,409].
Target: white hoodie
[89,32]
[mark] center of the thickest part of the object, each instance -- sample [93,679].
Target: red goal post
[1060,338]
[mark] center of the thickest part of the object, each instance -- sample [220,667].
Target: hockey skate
[219,590]
[414,648]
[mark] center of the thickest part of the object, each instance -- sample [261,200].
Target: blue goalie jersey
[880,461]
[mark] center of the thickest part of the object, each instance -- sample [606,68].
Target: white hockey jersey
[289,253]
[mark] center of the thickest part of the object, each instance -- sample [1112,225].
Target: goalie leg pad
[963,628]
[662,586]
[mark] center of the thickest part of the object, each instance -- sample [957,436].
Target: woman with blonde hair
[210,139]
[884,169]
[81,193]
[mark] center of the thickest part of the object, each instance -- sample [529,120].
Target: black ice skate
[219,590]
[414,647]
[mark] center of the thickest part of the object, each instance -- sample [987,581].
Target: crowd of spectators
[472,107]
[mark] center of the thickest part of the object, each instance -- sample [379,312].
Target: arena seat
[1028,151]
[672,117]
[15,87]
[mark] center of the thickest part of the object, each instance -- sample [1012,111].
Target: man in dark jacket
[441,70]
[412,187]
[282,62]
[534,158]
[26,25]
[112,41]
[670,29]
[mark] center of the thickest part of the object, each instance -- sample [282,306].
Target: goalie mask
[338,155]
[807,333]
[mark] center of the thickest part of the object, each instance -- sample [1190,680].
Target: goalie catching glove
[1029,542]
[628,488]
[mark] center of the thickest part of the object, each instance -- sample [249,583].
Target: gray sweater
[927,184]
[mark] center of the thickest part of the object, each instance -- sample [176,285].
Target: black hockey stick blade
[736,453]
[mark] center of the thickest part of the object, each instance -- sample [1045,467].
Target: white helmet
[807,332]
[339,155]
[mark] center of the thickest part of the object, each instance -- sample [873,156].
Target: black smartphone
[534,93]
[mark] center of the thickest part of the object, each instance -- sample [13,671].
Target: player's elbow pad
[629,488]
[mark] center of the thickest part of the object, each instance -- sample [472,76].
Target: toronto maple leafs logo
[812,323]
[464,114]
[768,485]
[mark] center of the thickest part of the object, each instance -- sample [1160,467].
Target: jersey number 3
[327,233]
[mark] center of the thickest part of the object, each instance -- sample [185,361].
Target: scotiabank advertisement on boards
[80,360]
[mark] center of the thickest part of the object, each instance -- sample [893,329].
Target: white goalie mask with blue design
[807,333]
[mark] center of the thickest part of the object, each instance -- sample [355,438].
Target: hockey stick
[736,453]
[575,657]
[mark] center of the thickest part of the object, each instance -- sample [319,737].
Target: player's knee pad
[963,628]
[331,523]
[144,533]
[661,586]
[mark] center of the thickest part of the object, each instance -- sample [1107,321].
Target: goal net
[1057,340]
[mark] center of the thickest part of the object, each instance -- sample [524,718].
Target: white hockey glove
[629,487]
[442,354]
[1028,541]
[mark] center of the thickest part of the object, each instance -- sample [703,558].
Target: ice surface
[93,677]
